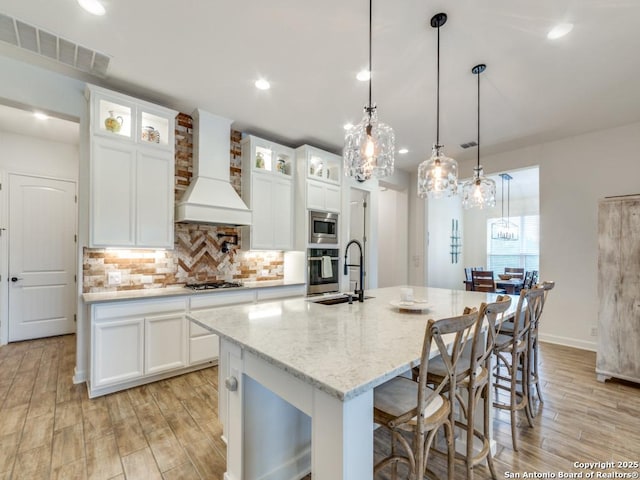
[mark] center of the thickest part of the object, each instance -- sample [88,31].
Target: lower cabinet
[134,342]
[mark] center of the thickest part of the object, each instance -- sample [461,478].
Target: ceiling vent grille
[23,35]
[469,144]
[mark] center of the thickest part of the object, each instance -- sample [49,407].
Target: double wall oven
[323,256]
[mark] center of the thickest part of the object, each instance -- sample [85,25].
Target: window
[523,252]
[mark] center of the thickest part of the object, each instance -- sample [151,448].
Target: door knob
[15,279]
[231,383]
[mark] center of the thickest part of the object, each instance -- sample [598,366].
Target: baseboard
[294,469]
[79,376]
[569,342]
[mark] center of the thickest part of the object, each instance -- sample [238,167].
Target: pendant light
[479,192]
[369,146]
[438,176]
[504,229]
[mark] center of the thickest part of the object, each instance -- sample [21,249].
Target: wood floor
[169,430]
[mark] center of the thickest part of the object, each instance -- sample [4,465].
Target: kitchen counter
[143,293]
[324,360]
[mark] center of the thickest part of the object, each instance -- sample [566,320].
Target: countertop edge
[147,293]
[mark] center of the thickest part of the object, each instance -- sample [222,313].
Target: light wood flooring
[170,430]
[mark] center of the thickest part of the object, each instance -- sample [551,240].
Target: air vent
[469,144]
[22,35]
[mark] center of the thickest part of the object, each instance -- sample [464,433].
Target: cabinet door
[112,193]
[204,348]
[281,192]
[117,351]
[332,198]
[262,203]
[154,199]
[165,343]
[315,196]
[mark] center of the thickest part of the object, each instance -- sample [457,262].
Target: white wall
[574,174]
[393,243]
[442,272]
[474,241]
[30,155]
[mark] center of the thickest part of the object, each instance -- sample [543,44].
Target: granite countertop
[342,349]
[143,293]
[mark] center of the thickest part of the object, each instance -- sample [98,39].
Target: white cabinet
[267,188]
[165,342]
[117,351]
[131,172]
[323,173]
[322,196]
[132,341]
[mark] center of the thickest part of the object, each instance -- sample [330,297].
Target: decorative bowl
[504,276]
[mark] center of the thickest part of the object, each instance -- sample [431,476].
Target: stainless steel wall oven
[322,270]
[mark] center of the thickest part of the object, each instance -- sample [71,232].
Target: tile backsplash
[197,254]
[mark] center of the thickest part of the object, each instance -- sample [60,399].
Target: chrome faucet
[359,292]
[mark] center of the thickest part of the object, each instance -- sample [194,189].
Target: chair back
[534,280]
[528,280]
[547,286]
[514,272]
[482,281]
[459,329]
[527,313]
[481,351]
[467,274]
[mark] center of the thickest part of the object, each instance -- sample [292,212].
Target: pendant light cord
[438,92]
[370,73]
[478,173]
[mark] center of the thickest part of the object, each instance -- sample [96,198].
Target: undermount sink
[336,300]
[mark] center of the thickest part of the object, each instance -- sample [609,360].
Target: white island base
[292,427]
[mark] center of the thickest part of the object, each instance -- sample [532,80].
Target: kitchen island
[299,378]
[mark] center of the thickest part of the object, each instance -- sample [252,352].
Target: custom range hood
[210,197]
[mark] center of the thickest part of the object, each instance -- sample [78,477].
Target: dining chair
[473,384]
[482,281]
[511,352]
[467,274]
[412,411]
[515,272]
[527,282]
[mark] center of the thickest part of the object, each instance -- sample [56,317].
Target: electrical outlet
[594,331]
[114,278]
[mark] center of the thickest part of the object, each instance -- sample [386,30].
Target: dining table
[296,377]
[511,286]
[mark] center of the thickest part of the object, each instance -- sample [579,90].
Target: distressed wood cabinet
[619,288]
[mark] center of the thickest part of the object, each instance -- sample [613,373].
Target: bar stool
[473,385]
[534,375]
[409,408]
[511,352]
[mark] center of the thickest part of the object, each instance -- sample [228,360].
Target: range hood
[210,198]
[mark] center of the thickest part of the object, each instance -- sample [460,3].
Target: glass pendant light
[438,176]
[369,146]
[480,191]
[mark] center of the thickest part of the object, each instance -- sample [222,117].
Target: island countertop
[342,349]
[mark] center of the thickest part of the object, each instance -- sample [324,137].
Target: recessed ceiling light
[402,151]
[559,30]
[40,115]
[348,126]
[363,75]
[262,84]
[92,6]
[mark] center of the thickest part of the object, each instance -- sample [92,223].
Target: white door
[42,265]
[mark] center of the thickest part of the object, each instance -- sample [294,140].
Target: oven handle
[320,258]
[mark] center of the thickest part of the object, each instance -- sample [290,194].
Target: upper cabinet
[131,171]
[321,186]
[267,188]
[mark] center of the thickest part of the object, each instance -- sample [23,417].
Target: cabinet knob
[231,383]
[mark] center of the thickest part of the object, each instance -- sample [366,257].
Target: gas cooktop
[212,285]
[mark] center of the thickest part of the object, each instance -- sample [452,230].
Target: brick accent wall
[197,254]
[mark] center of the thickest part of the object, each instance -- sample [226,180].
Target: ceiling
[23,122]
[208,53]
